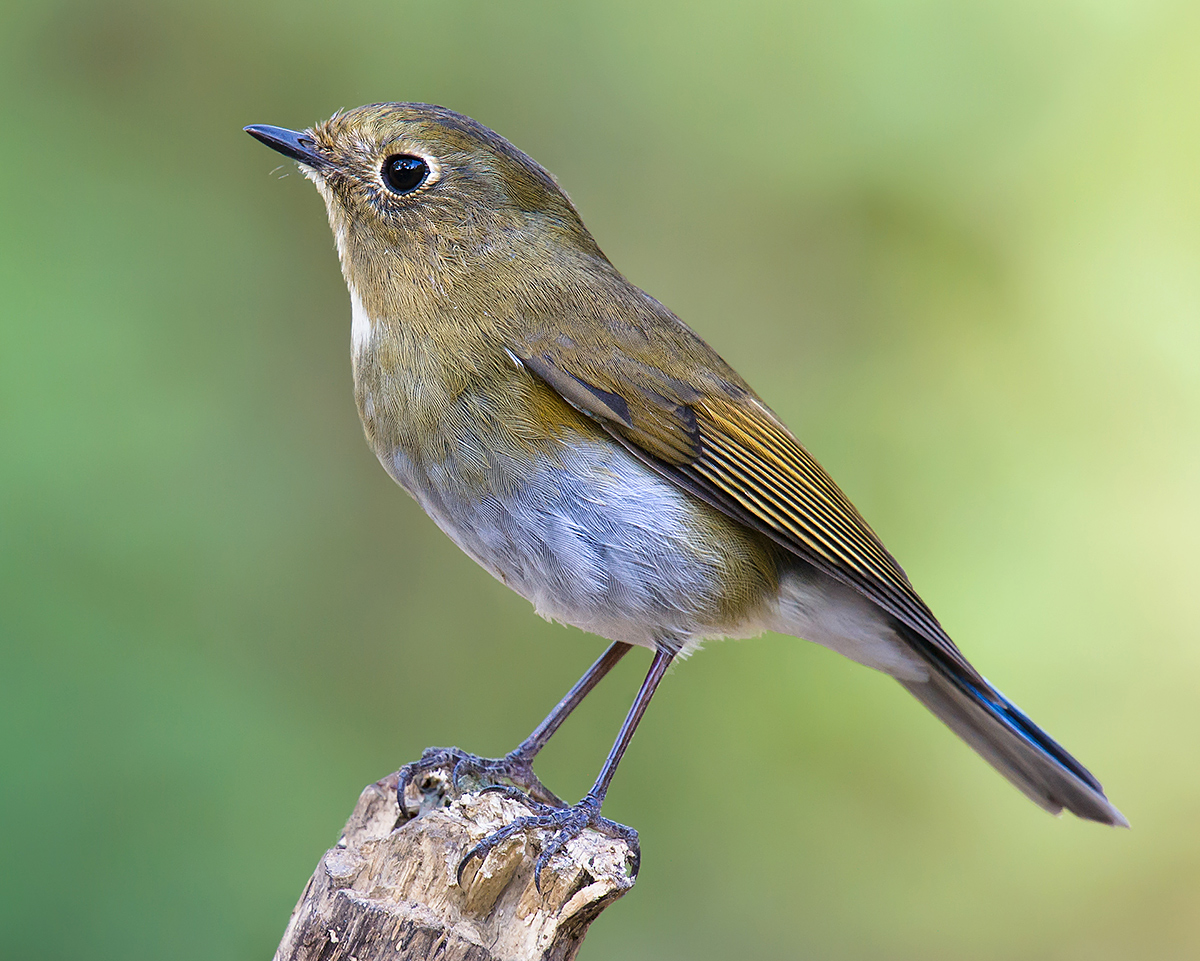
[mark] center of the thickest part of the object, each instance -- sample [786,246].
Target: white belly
[598,541]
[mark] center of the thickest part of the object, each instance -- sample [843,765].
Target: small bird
[584,446]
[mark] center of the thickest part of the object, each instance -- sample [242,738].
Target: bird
[587,448]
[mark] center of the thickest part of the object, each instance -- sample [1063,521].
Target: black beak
[290,143]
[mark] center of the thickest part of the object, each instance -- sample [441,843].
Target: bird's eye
[403,173]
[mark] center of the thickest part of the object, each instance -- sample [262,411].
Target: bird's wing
[704,429]
[715,439]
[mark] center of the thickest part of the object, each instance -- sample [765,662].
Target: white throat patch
[361,330]
[360,321]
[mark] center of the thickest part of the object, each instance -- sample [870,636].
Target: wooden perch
[387,890]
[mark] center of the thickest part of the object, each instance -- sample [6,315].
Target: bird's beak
[290,143]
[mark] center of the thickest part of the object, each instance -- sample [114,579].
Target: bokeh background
[955,243]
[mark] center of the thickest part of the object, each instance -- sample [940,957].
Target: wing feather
[727,448]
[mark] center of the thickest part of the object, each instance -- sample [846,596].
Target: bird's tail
[1014,745]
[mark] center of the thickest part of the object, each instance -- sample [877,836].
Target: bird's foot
[567,823]
[468,772]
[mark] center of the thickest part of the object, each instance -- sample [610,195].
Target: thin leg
[570,822]
[658,667]
[529,748]
[516,767]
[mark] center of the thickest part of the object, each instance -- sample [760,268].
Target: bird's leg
[514,771]
[569,822]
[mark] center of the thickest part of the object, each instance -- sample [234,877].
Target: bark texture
[388,890]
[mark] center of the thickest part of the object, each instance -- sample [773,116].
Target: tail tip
[1118,819]
[1102,811]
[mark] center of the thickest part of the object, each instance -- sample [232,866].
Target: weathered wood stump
[388,888]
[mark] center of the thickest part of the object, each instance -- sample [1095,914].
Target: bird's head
[418,194]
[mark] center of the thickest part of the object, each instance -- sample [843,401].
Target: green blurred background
[955,244]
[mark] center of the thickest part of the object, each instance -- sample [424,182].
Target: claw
[516,794]
[431,759]
[512,768]
[568,823]
[484,847]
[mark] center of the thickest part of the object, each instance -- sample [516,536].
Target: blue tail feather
[1005,736]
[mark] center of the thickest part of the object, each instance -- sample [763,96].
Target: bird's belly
[595,539]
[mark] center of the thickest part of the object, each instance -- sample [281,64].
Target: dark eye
[404,174]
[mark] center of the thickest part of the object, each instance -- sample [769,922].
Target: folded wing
[706,431]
